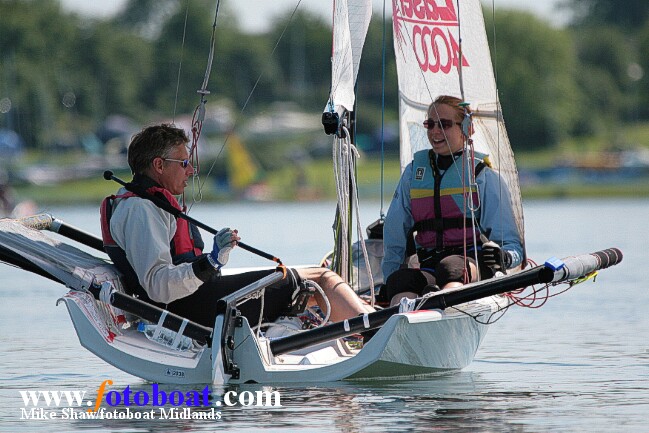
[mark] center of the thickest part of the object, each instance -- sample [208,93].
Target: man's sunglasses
[183,162]
[442,123]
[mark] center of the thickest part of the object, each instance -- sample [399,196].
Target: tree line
[61,74]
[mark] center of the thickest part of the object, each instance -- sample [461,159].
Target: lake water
[580,363]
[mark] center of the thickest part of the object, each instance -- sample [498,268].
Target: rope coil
[344,159]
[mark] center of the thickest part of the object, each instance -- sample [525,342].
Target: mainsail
[441,48]
[351,21]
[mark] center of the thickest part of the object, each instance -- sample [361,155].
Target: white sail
[351,21]
[431,61]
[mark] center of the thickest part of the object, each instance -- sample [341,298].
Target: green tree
[37,72]
[370,75]
[304,58]
[112,65]
[245,69]
[64,74]
[611,44]
[146,16]
[641,73]
[180,59]
[181,47]
[605,56]
[628,15]
[536,66]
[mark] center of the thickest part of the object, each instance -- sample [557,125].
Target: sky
[255,15]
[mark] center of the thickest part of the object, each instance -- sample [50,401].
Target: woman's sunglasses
[442,123]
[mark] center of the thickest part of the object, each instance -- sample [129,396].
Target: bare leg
[345,304]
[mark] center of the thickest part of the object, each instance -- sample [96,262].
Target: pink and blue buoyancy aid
[441,202]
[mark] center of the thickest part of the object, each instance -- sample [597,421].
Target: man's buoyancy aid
[185,245]
[437,197]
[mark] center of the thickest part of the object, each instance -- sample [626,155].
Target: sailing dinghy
[435,334]
[442,335]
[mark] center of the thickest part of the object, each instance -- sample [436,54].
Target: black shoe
[367,335]
[430,288]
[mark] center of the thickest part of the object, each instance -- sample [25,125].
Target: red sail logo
[429,29]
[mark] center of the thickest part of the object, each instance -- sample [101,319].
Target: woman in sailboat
[454,218]
[161,257]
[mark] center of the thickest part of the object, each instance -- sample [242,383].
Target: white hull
[408,345]
[133,353]
[415,344]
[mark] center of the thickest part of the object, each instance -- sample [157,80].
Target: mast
[350,23]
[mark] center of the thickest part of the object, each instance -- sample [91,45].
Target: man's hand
[224,241]
[494,257]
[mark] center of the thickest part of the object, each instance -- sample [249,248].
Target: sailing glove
[224,241]
[495,257]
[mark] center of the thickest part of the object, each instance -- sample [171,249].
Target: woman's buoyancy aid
[441,204]
[185,245]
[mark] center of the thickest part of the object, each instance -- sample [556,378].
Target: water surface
[580,363]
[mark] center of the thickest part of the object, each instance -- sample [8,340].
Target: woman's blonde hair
[461,111]
[453,102]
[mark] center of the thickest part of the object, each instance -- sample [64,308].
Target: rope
[383,52]
[324,296]
[344,158]
[199,115]
[341,163]
[527,297]
[470,205]
[459,37]
[180,64]
[359,230]
[249,97]
[498,118]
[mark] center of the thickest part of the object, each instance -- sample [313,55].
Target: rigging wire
[383,54]
[250,94]
[346,172]
[459,37]
[199,114]
[469,150]
[180,63]
[495,68]
[203,90]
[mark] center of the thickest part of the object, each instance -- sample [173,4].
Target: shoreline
[64,193]
[314,182]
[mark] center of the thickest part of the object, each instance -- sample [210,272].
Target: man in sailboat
[452,216]
[161,256]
